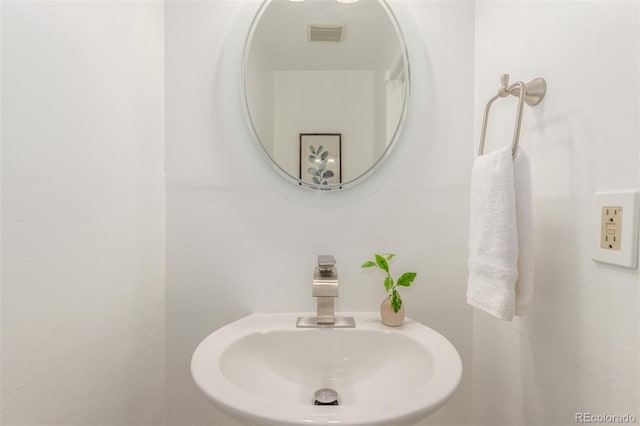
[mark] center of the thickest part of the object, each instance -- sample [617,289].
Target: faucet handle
[326,263]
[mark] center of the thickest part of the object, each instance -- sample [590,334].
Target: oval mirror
[325,86]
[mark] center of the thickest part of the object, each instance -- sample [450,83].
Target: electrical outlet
[610,227]
[616,215]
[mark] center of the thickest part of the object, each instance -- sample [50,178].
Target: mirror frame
[396,134]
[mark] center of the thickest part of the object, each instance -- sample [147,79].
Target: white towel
[500,234]
[524,220]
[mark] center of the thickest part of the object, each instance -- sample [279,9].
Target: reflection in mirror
[326,85]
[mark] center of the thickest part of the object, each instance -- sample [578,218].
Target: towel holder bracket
[534,93]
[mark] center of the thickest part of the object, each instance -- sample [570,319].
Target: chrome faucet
[325,289]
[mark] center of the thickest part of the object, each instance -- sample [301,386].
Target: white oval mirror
[325,86]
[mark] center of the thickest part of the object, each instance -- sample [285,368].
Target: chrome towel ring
[532,93]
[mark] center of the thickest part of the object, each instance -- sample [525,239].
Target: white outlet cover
[627,256]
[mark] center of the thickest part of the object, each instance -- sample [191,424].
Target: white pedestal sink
[266,370]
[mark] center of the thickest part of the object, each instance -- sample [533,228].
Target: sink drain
[325,397]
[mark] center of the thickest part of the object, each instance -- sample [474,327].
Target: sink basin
[266,370]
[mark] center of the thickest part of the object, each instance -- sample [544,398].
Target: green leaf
[324,155]
[388,284]
[312,158]
[382,263]
[319,150]
[388,256]
[368,264]
[313,172]
[406,279]
[327,174]
[313,149]
[396,301]
[322,166]
[316,180]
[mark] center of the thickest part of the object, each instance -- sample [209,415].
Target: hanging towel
[493,235]
[524,220]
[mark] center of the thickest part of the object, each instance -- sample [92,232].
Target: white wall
[324,102]
[82,213]
[579,349]
[241,239]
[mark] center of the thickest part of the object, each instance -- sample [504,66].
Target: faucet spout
[325,278]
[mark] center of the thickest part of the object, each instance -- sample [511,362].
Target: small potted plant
[392,308]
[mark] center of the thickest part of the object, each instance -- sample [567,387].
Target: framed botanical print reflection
[321,158]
